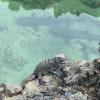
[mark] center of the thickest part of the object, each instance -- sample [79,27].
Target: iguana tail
[26,80]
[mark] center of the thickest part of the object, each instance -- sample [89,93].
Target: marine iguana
[45,67]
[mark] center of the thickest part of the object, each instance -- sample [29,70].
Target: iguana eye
[58,57]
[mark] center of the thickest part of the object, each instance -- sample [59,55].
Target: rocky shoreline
[81,82]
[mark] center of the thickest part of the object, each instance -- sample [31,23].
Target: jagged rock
[33,88]
[78,96]
[13,90]
[79,73]
[49,79]
[18,97]
[81,82]
[70,90]
[96,63]
[42,98]
[1,89]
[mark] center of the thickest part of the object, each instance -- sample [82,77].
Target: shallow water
[28,37]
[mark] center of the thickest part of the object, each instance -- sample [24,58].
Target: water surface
[28,37]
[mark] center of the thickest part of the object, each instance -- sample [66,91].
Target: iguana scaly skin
[43,68]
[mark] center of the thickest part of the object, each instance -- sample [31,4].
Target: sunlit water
[28,37]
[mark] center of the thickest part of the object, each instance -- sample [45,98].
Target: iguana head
[61,58]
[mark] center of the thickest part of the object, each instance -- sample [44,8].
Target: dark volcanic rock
[74,81]
[96,63]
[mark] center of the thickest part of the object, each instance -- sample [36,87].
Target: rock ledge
[81,82]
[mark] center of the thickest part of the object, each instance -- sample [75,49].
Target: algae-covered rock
[76,7]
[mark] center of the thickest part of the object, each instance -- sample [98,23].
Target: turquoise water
[28,37]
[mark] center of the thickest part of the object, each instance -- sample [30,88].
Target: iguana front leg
[59,76]
[41,82]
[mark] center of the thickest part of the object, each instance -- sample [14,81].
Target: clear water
[28,37]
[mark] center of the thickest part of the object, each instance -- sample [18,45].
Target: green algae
[30,4]
[92,3]
[76,7]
